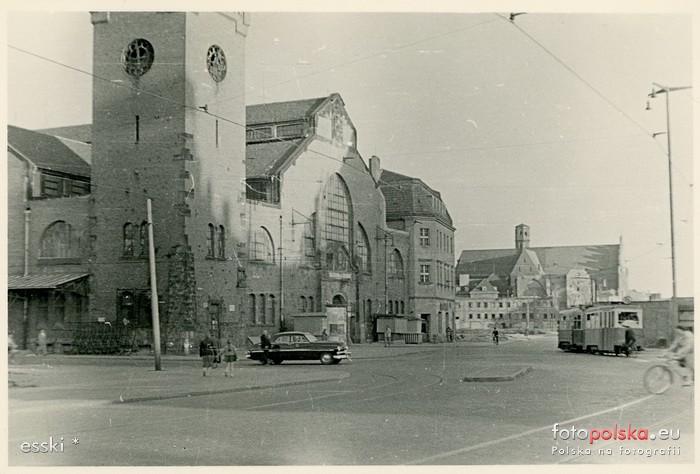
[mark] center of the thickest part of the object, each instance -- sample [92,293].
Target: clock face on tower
[216,63]
[137,57]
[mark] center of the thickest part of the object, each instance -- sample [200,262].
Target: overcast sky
[541,121]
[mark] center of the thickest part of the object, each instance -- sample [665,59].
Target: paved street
[400,405]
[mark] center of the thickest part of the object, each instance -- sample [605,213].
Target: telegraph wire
[590,86]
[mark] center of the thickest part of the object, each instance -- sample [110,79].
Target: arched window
[59,241]
[252,317]
[143,239]
[302,304]
[211,241]
[363,250]
[262,314]
[222,242]
[262,248]
[402,308]
[273,310]
[396,264]
[338,212]
[128,233]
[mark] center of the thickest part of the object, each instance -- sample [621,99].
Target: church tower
[522,237]
[169,125]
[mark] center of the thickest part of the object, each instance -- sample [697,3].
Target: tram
[599,329]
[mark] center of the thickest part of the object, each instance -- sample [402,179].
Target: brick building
[264,217]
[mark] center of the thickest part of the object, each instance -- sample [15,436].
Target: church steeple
[522,237]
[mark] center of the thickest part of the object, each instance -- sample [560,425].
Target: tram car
[599,329]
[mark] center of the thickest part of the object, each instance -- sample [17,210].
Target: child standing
[229,357]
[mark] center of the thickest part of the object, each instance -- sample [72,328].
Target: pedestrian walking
[449,333]
[229,357]
[207,351]
[265,345]
[387,337]
[494,336]
[324,335]
[41,342]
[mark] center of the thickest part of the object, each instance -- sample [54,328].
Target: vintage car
[294,345]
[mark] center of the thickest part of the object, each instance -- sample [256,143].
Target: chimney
[375,168]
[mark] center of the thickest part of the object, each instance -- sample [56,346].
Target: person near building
[12,348]
[682,351]
[230,357]
[494,336]
[265,345]
[41,342]
[387,336]
[449,333]
[324,335]
[207,351]
[630,340]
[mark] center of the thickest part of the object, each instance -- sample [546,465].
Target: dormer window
[272,132]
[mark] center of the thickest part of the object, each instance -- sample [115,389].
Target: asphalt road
[413,409]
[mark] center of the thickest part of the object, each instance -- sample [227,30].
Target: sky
[539,121]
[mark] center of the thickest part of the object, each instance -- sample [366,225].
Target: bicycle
[659,377]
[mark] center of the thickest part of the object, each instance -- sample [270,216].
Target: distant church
[498,286]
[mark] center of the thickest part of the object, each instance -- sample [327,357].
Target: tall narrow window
[338,218]
[211,241]
[262,318]
[143,239]
[137,131]
[216,132]
[396,264]
[302,304]
[252,317]
[363,250]
[222,242]
[310,301]
[273,310]
[128,233]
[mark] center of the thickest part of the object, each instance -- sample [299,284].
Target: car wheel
[336,361]
[277,361]
[326,358]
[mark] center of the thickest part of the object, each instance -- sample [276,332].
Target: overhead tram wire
[372,56]
[588,84]
[195,109]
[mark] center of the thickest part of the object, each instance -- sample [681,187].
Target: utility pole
[667,90]
[154,286]
[282,323]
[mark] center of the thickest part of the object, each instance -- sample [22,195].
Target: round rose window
[216,63]
[137,57]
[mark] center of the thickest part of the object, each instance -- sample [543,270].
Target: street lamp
[667,90]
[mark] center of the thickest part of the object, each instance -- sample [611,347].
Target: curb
[220,391]
[499,378]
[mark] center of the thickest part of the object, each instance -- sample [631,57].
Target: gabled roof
[46,152]
[282,111]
